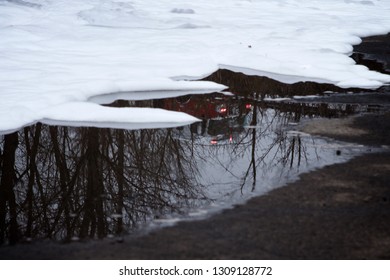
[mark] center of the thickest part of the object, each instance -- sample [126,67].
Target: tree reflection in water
[89,182]
[66,183]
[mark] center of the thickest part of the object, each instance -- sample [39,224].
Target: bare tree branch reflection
[67,183]
[264,142]
[7,194]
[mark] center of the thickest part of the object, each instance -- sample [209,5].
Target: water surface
[69,183]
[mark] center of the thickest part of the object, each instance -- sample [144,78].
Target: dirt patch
[333,127]
[371,130]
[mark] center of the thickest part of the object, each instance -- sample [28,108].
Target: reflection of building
[222,116]
[203,108]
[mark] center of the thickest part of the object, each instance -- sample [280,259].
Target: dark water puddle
[374,52]
[71,183]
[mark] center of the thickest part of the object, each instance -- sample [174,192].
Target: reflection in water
[62,183]
[68,183]
[262,87]
[373,52]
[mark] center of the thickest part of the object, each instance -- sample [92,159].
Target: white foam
[89,114]
[55,52]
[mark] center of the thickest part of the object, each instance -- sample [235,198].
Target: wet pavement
[63,187]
